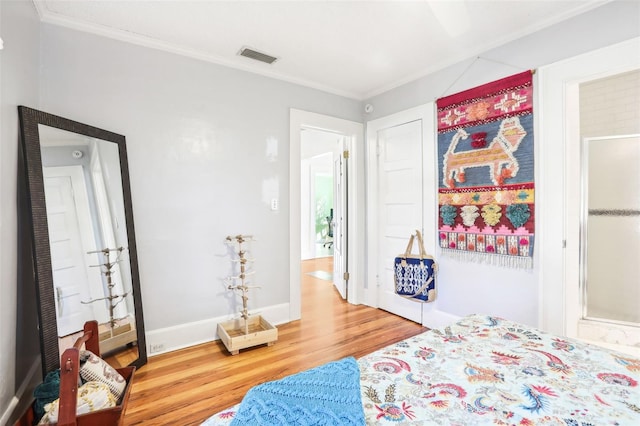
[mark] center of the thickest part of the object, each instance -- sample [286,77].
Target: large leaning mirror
[84,250]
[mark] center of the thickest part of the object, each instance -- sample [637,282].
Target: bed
[486,370]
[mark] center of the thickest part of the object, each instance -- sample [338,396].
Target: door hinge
[345,153]
[345,276]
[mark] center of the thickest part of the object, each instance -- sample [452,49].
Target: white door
[73,281]
[401,200]
[400,208]
[340,196]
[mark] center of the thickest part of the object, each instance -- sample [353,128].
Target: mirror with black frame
[83,240]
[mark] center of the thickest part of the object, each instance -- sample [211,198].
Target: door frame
[299,119]
[559,130]
[425,113]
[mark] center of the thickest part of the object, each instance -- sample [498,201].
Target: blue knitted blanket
[325,395]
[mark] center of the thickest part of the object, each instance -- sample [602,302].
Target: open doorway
[610,209]
[323,194]
[563,280]
[345,137]
[317,193]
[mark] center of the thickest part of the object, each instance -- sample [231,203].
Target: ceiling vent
[258,56]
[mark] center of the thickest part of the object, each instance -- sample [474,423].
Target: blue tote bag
[415,274]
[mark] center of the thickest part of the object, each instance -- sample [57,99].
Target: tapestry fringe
[490,258]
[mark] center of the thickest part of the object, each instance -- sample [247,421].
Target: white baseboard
[24,390]
[431,318]
[434,318]
[370,297]
[194,333]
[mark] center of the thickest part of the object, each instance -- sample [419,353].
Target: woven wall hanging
[486,173]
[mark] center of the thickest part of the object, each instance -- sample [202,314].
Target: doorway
[561,287]
[610,207]
[317,192]
[347,226]
[322,238]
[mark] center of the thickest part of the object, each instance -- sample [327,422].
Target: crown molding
[138,39]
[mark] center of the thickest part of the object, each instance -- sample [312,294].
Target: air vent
[258,56]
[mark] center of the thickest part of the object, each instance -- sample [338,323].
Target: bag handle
[423,252]
[407,252]
[418,235]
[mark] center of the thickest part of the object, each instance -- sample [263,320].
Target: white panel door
[69,273]
[339,223]
[400,207]
[74,282]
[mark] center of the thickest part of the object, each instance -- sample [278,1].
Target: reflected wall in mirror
[83,237]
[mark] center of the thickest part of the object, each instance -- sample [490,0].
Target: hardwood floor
[186,387]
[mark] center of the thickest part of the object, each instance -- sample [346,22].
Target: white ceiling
[352,48]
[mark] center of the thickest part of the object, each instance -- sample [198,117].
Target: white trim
[138,39]
[434,318]
[464,55]
[204,331]
[559,138]
[151,43]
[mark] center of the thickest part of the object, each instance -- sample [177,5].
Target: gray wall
[197,138]
[19,345]
[502,291]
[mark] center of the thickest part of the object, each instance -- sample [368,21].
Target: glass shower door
[611,230]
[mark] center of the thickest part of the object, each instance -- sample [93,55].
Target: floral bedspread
[487,370]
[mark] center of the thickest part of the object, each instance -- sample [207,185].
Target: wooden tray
[236,335]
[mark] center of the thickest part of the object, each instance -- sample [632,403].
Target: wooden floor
[188,386]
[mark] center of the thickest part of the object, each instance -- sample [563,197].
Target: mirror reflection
[83,245]
[88,238]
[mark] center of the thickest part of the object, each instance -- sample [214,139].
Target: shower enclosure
[610,209]
[611,229]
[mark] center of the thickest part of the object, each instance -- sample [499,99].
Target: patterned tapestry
[485,173]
